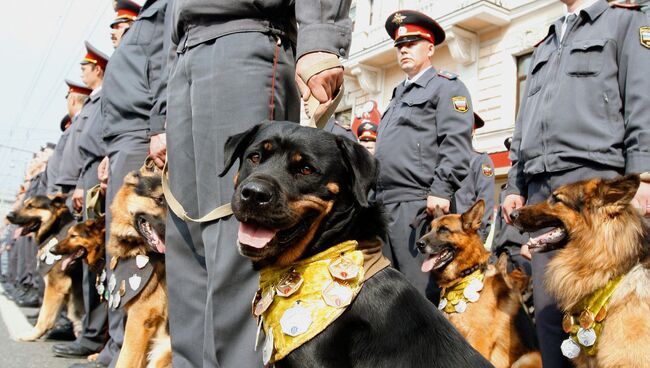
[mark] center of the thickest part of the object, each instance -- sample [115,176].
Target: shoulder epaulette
[628,6]
[447,75]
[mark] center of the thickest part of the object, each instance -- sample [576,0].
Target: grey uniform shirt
[424,139]
[324,24]
[134,97]
[478,184]
[72,160]
[54,163]
[587,98]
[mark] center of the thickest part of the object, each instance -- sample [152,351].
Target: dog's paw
[32,335]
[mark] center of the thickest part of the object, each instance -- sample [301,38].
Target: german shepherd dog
[47,217]
[137,229]
[85,241]
[600,239]
[454,251]
[298,192]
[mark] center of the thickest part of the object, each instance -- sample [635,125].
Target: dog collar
[584,322]
[298,302]
[456,297]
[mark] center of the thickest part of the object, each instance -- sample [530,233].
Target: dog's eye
[443,229]
[159,200]
[254,158]
[307,170]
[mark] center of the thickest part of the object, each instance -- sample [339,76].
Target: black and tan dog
[478,297]
[84,241]
[600,275]
[326,297]
[49,219]
[137,282]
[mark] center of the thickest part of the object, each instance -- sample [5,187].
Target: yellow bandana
[454,299]
[584,322]
[298,317]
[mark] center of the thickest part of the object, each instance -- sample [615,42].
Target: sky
[42,43]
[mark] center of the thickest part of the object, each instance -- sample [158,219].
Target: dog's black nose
[11,215]
[256,192]
[514,214]
[421,244]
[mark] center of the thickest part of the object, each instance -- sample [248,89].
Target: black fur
[389,324]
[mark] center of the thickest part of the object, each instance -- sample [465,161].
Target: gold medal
[343,269]
[113,262]
[263,301]
[337,295]
[567,322]
[586,319]
[289,284]
[122,289]
[602,313]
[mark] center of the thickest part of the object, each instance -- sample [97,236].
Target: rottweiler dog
[49,219]
[136,240]
[300,191]
[482,297]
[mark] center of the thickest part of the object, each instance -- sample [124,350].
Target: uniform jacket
[134,97]
[586,98]
[72,159]
[324,24]
[53,164]
[478,184]
[92,147]
[424,142]
[335,128]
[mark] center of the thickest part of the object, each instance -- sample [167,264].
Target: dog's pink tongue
[255,236]
[428,264]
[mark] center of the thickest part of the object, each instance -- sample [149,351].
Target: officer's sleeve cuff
[156,125]
[637,162]
[323,37]
[441,190]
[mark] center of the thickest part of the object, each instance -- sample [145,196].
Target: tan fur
[606,239]
[500,299]
[147,318]
[299,208]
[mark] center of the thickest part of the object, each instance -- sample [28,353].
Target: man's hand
[78,199]
[511,203]
[641,200]
[432,202]
[102,174]
[322,85]
[158,149]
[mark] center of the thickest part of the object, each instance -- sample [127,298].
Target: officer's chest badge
[487,170]
[398,18]
[460,103]
[644,36]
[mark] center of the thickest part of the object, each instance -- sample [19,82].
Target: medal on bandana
[343,269]
[289,284]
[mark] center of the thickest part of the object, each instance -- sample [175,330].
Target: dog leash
[315,121]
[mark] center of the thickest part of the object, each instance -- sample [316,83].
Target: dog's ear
[58,200]
[236,145]
[619,191]
[473,217]
[361,165]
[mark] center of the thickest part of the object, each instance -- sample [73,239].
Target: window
[523,64]
[353,14]
[372,11]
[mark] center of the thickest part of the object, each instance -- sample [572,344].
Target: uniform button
[342,51]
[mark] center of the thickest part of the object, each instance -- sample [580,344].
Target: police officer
[132,105]
[93,335]
[367,135]
[423,142]
[585,114]
[126,12]
[92,75]
[478,184]
[76,97]
[234,68]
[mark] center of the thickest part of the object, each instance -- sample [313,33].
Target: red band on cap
[413,30]
[126,14]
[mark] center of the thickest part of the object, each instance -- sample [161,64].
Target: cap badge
[398,18]
[401,30]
